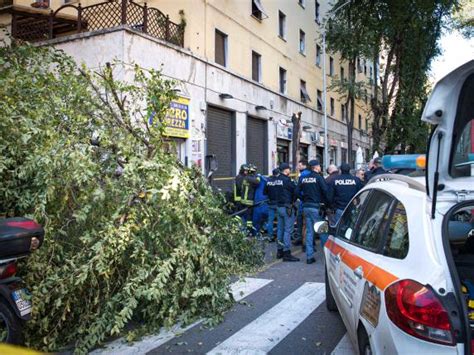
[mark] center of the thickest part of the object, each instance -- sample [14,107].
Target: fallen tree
[132,236]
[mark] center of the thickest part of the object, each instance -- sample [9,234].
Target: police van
[400,262]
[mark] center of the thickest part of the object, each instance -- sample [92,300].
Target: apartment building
[243,68]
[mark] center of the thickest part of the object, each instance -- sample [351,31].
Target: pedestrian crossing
[259,336]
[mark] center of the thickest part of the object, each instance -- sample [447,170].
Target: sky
[456,50]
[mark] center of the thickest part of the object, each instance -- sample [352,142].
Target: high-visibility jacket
[244,188]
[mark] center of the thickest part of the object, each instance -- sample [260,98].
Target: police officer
[304,171]
[313,191]
[271,191]
[343,189]
[286,212]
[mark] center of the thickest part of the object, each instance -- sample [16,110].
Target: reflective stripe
[377,276]
[236,198]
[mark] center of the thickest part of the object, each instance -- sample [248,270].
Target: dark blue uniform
[313,191]
[286,214]
[343,189]
[272,190]
[299,215]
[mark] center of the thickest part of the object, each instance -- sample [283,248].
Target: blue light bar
[405,161]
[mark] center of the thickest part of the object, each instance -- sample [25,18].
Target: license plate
[22,303]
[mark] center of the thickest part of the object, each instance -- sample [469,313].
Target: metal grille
[175,34]
[32,29]
[257,143]
[135,16]
[101,16]
[220,142]
[157,23]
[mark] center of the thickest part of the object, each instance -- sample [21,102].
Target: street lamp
[325,89]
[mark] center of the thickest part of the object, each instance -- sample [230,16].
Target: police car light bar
[405,161]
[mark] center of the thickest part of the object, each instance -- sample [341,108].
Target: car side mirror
[321,227]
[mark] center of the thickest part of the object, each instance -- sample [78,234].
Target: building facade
[243,69]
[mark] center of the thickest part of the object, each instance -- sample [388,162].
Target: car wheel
[330,301]
[364,343]
[11,327]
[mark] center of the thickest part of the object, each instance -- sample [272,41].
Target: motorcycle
[19,237]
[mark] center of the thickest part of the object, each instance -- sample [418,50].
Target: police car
[400,262]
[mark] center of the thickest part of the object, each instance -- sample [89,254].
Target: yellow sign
[177,118]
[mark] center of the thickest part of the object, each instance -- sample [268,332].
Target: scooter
[19,237]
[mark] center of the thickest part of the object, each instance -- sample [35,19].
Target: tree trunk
[296,119]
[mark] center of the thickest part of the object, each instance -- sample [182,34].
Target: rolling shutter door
[220,142]
[257,144]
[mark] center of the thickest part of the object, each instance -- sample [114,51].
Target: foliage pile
[131,235]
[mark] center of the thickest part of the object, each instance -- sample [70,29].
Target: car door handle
[359,272]
[338,258]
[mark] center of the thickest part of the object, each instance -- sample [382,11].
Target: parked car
[400,262]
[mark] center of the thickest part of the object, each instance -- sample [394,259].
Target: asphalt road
[285,314]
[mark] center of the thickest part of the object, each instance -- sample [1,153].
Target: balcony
[70,18]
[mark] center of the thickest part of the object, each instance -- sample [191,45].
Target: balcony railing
[37,27]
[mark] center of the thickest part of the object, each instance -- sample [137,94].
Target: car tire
[330,301]
[11,327]
[363,340]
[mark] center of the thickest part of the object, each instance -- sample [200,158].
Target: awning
[304,94]
[260,8]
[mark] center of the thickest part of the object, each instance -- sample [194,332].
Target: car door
[335,246]
[362,253]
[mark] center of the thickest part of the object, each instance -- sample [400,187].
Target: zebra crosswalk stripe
[240,289]
[344,347]
[265,332]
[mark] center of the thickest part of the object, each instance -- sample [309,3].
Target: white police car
[400,262]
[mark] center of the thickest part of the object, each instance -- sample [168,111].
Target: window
[302,3]
[331,66]
[302,42]
[348,220]
[343,112]
[360,122]
[342,73]
[396,245]
[318,55]
[332,107]
[256,66]
[281,24]
[365,96]
[319,97]
[359,66]
[371,74]
[257,10]
[316,11]
[282,81]
[343,155]
[304,93]
[462,155]
[365,67]
[374,221]
[367,126]
[221,48]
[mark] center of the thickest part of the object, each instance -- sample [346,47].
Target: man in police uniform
[304,171]
[343,189]
[286,212]
[271,191]
[313,191]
